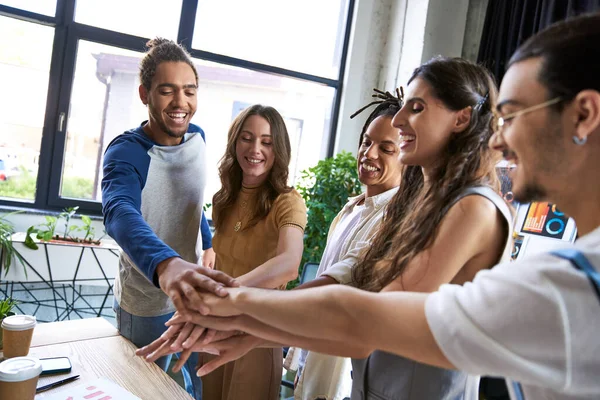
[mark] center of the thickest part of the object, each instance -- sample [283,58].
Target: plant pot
[1,346]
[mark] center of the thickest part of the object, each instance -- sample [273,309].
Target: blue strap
[580,262]
[518,391]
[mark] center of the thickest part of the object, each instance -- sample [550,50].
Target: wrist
[161,268]
[237,297]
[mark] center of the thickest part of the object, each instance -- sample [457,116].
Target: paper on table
[98,389]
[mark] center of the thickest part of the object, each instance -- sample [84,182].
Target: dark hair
[388,106]
[162,50]
[231,173]
[415,212]
[570,52]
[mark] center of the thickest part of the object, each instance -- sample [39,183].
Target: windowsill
[37,211]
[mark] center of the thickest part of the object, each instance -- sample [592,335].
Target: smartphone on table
[55,365]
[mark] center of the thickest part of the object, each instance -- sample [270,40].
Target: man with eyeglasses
[535,321]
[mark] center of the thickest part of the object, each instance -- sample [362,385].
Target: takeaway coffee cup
[17,331]
[19,377]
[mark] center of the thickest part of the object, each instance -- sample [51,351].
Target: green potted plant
[9,254]
[325,189]
[47,231]
[6,310]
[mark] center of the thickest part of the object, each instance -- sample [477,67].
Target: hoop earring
[578,141]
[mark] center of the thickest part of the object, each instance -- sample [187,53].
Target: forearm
[348,316]
[136,238]
[268,336]
[272,274]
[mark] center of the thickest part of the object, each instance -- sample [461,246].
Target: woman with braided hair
[328,377]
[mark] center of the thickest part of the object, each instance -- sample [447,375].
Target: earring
[578,141]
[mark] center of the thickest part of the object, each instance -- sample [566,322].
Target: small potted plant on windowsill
[6,310]
[47,232]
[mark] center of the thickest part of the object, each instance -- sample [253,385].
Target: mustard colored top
[238,253]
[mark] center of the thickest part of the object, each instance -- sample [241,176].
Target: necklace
[243,206]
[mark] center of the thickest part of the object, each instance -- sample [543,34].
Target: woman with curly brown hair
[259,225]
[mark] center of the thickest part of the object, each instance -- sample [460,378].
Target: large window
[301,35]
[25,52]
[69,70]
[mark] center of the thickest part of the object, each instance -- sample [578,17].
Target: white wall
[445,28]
[474,28]
[390,38]
[363,67]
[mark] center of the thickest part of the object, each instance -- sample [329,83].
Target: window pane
[104,104]
[301,35]
[104,107]
[25,52]
[145,18]
[45,7]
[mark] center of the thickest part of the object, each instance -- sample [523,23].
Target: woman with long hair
[447,221]
[259,226]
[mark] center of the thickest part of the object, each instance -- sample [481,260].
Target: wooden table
[96,350]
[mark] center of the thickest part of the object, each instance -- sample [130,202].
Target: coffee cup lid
[19,369]
[18,322]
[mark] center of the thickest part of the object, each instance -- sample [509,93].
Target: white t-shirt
[355,235]
[535,321]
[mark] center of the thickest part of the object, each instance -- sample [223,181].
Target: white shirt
[535,321]
[356,236]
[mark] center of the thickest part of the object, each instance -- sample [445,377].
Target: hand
[214,323]
[229,350]
[221,306]
[182,281]
[168,344]
[208,258]
[213,336]
[161,346]
[186,335]
[177,338]
[203,344]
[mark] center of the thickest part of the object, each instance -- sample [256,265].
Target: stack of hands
[204,322]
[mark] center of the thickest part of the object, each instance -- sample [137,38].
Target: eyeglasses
[500,121]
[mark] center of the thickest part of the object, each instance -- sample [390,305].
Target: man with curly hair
[152,197]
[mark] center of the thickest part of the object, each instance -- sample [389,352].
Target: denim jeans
[142,331]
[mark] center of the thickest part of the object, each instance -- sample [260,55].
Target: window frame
[61,76]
